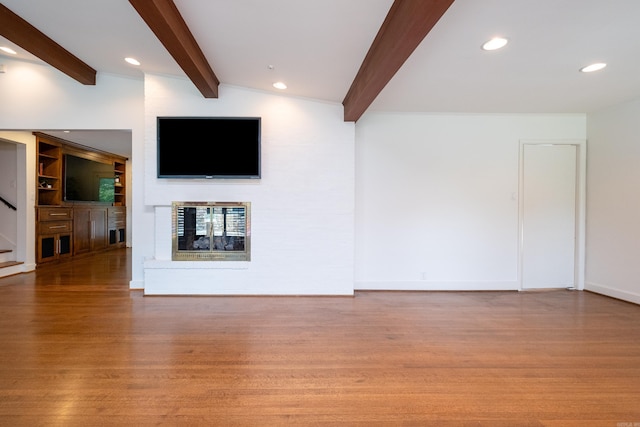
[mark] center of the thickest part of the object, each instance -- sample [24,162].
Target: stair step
[7,255]
[10,263]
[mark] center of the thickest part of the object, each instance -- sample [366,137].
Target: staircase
[8,265]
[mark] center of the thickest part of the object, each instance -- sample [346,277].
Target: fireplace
[211,231]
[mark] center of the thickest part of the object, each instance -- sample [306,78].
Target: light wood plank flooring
[79,348]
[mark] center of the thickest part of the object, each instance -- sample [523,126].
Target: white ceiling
[317,46]
[537,72]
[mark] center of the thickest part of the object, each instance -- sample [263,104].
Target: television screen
[209,147]
[87,180]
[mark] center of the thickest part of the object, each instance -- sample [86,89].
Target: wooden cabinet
[67,231]
[54,234]
[89,229]
[53,247]
[117,223]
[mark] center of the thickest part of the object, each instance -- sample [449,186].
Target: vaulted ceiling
[323,49]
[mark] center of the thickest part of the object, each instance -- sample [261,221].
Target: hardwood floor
[79,348]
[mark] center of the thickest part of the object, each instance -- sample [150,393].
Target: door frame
[580,200]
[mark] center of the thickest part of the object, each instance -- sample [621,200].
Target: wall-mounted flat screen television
[87,180]
[209,147]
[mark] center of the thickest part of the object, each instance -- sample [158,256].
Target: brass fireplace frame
[222,229]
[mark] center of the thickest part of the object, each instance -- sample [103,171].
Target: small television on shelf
[209,147]
[87,180]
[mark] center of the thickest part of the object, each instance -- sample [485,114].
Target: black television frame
[256,154]
[107,166]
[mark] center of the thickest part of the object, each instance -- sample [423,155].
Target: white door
[549,216]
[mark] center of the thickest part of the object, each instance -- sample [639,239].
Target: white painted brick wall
[302,209]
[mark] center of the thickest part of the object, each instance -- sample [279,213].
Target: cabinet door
[64,245]
[89,229]
[53,247]
[46,250]
[99,231]
[81,230]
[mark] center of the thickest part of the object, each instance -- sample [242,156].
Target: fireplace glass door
[211,231]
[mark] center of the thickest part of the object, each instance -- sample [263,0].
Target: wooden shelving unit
[49,172]
[69,228]
[120,194]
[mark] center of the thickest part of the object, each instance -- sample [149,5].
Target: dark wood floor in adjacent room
[79,348]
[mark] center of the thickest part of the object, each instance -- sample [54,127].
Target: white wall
[40,97]
[8,191]
[24,173]
[452,180]
[437,197]
[301,210]
[613,202]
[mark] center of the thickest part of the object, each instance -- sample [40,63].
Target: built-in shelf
[49,172]
[120,194]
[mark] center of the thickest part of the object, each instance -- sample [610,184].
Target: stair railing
[9,205]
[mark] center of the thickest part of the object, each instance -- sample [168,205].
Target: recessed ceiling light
[279,85]
[495,43]
[132,61]
[8,50]
[593,67]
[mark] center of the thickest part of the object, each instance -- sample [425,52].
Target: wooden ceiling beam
[404,28]
[164,19]
[28,37]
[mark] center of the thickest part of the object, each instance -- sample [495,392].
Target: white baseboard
[423,285]
[633,297]
[136,284]
[17,269]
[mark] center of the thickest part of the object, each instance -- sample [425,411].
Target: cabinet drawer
[117,217]
[51,227]
[117,222]
[54,214]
